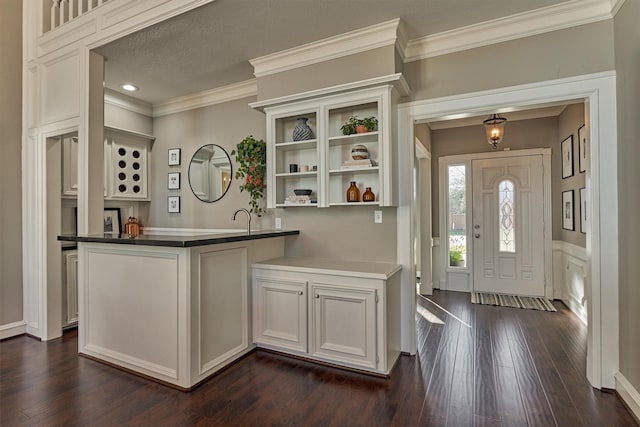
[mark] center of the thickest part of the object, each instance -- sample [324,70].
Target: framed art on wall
[174,157]
[111,221]
[173,204]
[583,210]
[567,157]
[582,149]
[173,181]
[567,210]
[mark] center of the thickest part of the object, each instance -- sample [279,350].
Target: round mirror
[210,173]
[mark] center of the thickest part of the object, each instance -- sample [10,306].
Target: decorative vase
[361,129]
[359,152]
[302,131]
[368,195]
[353,193]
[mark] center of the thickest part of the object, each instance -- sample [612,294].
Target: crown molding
[128,103]
[374,36]
[219,95]
[546,19]
[615,6]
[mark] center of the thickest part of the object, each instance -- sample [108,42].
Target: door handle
[477,226]
[477,236]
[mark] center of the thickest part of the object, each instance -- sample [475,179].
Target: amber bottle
[368,195]
[353,193]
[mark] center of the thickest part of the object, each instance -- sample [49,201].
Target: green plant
[251,155]
[349,128]
[455,256]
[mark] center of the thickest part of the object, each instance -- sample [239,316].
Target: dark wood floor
[476,365]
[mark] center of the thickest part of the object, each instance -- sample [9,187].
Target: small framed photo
[567,157]
[582,149]
[583,210]
[174,156]
[173,181]
[173,204]
[111,221]
[567,210]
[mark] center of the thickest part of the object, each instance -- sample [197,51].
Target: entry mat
[531,303]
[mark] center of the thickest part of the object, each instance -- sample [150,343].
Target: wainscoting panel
[569,276]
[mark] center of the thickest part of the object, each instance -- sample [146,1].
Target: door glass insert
[457,225]
[506,216]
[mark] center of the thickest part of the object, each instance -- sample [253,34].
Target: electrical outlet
[377,217]
[278,223]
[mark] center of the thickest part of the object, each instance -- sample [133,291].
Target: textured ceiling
[210,46]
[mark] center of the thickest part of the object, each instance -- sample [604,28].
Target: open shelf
[297,145]
[373,169]
[356,138]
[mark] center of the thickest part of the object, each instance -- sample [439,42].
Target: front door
[508,225]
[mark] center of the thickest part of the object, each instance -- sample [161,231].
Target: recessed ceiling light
[129,87]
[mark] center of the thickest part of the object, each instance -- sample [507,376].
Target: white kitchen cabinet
[351,311]
[329,149]
[126,164]
[280,313]
[70,287]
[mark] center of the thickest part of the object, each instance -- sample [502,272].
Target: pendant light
[494,127]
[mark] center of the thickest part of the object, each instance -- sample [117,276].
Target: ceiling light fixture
[494,126]
[129,87]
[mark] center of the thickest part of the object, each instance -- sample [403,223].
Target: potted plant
[251,155]
[357,125]
[455,257]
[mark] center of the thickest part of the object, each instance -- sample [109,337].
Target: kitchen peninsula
[172,308]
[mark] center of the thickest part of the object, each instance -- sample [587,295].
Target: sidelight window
[457,226]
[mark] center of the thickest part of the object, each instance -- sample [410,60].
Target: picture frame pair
[568,220]
[567,153]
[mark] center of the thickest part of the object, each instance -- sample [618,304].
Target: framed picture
[174,157]
[173,204]
[582,149]
[111,221]
[567,210]
[567,157]
[583,210]
[174,181]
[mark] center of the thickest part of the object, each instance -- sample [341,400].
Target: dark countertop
[178,241]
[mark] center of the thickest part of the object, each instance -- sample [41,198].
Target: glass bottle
[132,227]
[368,195]
[353,193]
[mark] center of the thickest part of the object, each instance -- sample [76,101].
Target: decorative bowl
[359,152]
[302,192]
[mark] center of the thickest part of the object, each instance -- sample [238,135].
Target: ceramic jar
[302,131]
[359,152]
[368,195]
[353,193]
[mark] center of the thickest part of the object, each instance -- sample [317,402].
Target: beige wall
[120,118]
[568,123]
[337,232]
[519,135]
[627,51]
[10,169]
[372,63]
[570,52]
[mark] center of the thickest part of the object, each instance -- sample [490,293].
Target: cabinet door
[280,313]
[70,165]
[71,288]
[344,325]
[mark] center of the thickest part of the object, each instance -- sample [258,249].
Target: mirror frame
[216,146]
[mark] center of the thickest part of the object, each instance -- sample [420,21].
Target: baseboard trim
[13,329]
[629,395]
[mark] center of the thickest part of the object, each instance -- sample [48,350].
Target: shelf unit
[330,149]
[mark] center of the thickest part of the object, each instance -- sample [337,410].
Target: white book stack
[358,164]
[298,200]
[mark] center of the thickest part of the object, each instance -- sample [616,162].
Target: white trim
[628,394]
[599,92]
[397,80]
[569,265]
[13,329]
[570,249]
[525,24]
[615,6]
[111,97]
[205,98]
[363,39]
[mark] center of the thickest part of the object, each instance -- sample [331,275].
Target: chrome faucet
[248,218]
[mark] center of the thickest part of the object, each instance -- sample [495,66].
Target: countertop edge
[179,241]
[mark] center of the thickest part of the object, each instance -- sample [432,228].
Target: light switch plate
[377,217]
[278,223]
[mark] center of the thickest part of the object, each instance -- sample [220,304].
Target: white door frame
[466,160]
[598,91]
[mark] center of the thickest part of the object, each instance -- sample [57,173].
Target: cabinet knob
[300,293]
[317,296]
